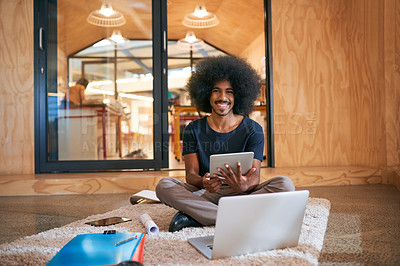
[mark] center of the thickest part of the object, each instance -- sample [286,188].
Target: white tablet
[219,160]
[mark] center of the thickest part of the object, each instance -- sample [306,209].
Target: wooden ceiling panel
[241,22]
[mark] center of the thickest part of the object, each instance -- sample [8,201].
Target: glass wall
[113,92]
[103,103]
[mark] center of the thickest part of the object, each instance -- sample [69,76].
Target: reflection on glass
[109,117]
[113,120]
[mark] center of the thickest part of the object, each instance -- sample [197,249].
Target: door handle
[41,31]
[165,40]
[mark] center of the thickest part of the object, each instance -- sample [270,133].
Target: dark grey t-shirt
[199,137]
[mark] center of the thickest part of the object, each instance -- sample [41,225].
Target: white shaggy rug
[170,248]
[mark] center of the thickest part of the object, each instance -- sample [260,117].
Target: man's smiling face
[222,98]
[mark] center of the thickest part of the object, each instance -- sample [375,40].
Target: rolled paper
[151,227]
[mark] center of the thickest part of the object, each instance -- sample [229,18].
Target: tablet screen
[219,160]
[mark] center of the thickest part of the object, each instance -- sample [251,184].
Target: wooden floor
[133,181]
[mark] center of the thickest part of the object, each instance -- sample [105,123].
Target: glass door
[100,85]
[199,29]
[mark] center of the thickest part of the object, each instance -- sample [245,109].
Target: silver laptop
[253,223]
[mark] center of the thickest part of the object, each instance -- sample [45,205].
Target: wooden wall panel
[392,90]
[339,62]
[16,87]
[392,80]
[367,87]
[311,83]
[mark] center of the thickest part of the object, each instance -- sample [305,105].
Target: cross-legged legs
[202,205]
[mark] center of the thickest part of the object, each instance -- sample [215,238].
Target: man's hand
[237,181]
[212,185]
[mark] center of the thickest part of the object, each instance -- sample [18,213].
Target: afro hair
[244,80]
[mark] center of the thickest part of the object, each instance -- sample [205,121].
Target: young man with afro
[226,87]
